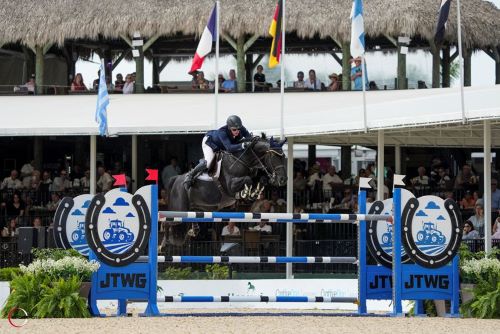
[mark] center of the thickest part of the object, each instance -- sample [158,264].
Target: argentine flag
[357,29]
[101,116]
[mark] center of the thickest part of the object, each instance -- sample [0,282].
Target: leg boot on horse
[194,173]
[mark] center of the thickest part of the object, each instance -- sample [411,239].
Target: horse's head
[272,157]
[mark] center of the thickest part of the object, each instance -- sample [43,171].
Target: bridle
[267,157]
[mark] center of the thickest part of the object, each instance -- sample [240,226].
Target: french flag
[205,45]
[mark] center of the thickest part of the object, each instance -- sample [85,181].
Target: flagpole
[460,61]
[363,78]
[217,16]
[282,86]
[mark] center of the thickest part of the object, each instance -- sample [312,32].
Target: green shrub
[62,300]
[172,273]
[26,292]
[485,305]
[217,271]
[8,274]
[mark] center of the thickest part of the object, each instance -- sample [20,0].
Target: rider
[227,138]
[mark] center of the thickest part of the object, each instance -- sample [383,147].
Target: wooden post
[139,71]
[249,71]
[156,72]
[436,62]
[446,64]
[39,70]
[240,63]
[345,163]
[346,66]
[402,83]
[467,67]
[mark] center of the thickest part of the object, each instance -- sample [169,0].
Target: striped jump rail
[255,299]
[251,259]
[206,217]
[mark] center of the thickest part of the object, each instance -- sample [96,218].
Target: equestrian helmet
[234,121]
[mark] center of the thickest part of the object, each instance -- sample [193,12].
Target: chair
[251,242]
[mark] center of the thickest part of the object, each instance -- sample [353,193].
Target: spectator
[421,84]
[495,196]
[229,85]
[468,202]
[331,179]
[194,79]
[119,83]
[37,222]
[255,208]
[45,188]
[299,182]
[55,199]
[334,84]
[372,86]
[465,179]
[312,83]
[95,83]
[263,227]
[356,74]
[77,85]
[163,200]
[61,183]
[10,230]
[109,84]
[15,207]
[202,83]
[26,173]
[105,181]
[34,184]
[420,182]
[85,182]
[443,181]
[230,229]
[28,86]
[259,80]
[300,83]
[277,204]
[496,229]
[220,79]
[11,182]
[469,232]
[478,219]
[128,86]
[170,171]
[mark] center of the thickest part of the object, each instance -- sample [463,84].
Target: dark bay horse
[236,175]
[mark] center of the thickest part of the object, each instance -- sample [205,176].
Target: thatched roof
[37,22]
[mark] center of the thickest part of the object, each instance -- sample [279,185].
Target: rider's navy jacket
[222,140]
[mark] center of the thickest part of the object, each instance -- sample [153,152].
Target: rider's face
[235,131]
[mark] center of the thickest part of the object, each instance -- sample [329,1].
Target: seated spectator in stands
[37,222]
[15,207]
[421,84]
[109,84]
[495,196]
[27,87]
[443,180]
[478,219]
[26,172]
[420,182]
[229,85]
[95,83]
[466,179]
[202,83]
[259,80]
[61,183]
[372,86]
[194,79]
[11,182]
[496,229]
[347,201]
[10,230]
[263,227]
[163,200]
[300,83]
[468,202]
[230,229]
[369,171]
[314,175]
[85,182]
[331,179]
[335,84]
[312,83]
[119,82]
[55,199]
[299,182]
[34,181]
[255,208]
[220,80]
[77,85]
[105,181]
[277,204]
[128,86]
[469,232]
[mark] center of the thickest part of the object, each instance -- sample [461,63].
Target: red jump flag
[120,180]
[152,175]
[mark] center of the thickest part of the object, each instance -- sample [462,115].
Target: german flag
[275,32]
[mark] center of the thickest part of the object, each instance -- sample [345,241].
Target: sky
[381,68]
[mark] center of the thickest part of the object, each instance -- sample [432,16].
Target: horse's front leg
[237,184]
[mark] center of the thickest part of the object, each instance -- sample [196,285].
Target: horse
[235,179]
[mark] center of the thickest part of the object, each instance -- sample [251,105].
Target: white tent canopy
[309,117]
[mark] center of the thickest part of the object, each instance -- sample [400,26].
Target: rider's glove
[246,145]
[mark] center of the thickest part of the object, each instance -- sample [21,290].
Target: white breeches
[208,153]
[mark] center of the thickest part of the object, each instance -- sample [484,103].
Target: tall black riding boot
[194,173]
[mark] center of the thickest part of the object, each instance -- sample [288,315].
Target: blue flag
[101,116]
[357,29]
